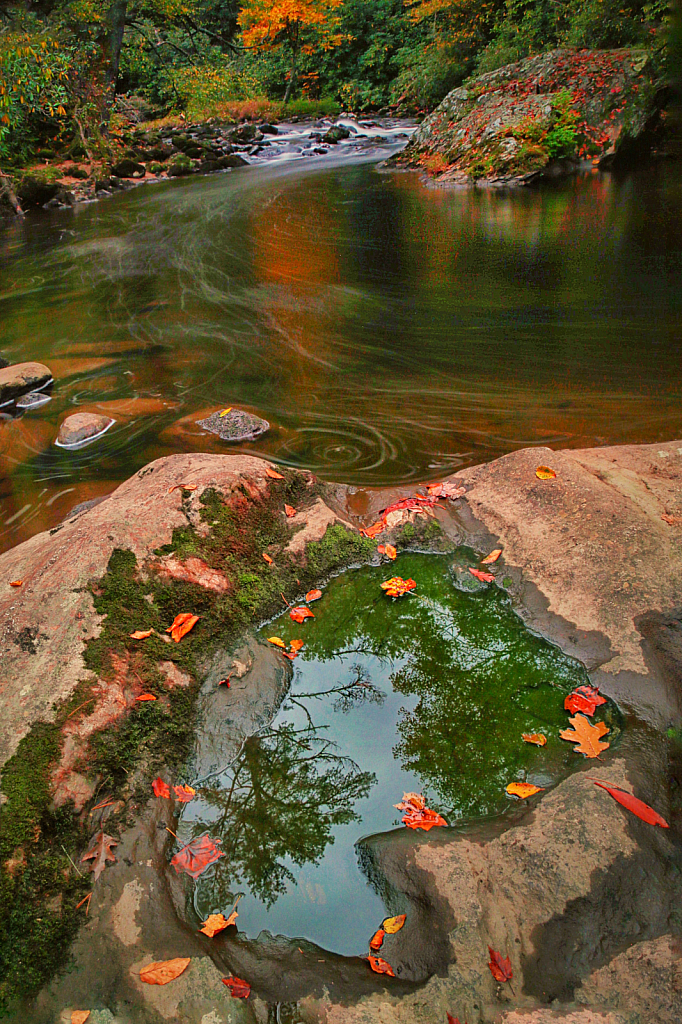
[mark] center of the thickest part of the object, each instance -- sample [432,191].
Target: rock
[237,425]
[32,400]
[179,166]
[194,570]
[646,978]
[245,133]
[3,362]
[335,134]
[231,160]
[128,169]
[268,129]
[36,189]
[520,121]
[22,377]
[82,427]
[75,172]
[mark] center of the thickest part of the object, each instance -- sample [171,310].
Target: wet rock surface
[22,377]
[82,427]
[236,425]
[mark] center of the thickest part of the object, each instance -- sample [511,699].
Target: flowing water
[390,332]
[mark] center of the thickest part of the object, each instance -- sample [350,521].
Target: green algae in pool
[429,693]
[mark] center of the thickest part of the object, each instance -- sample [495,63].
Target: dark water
[388,331]
[430,694]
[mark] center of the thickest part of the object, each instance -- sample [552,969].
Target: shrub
[34,96]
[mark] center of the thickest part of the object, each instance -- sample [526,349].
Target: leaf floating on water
[216,923]
[161,788]
[273,474]
[300,614]
[545,473]
[146,696]
[289,511]
[417,814]
[397,586]
[182,625]
[277,641]
[388,550]
[380,966]
[534,737]
[313,595]
[523,789]
[485,577]
[20,583]
[296,645]
[239,988]
[393,924]
[267,558]
[492,557]
[633,804]
[377,940]
[225,411]
[163,971]
[500,966]
[79,1016]
[197,856]
[183,794]
[100,853]
[585,699]
[586,737]
[140,634]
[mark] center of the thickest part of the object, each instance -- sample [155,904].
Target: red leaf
[146,696]
[198,855]
[485,577]
[313,595]
[267,558]
[161,788]
[377,939]
[380,966]
[585,699]
[592,693]
[500,966]
[239,988]
[183,794]
[453,1020]
[300,614]
[417,814]
[631,803]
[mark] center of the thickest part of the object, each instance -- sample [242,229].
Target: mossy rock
[180,166]
[36,189]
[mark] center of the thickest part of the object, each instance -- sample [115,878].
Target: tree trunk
[7,197]
[111,44]
[294,62]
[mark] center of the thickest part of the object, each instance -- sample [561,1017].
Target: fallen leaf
[417,814]
[374,530]
[377,939]
[163,971]
[146,696]
[215,923]
[545,473]
[388,550]
[393,924]
[239,988]
[452,491]
[183,794]
[534,737]
[181,625]
[225,411]
[99,852]
[586,737]
[161,788]
[277,641]
[485,577]
[523,789]
[79,1016]
[300,614]
[140,634]
[19,583]
[492,557]
[289,511]
[418,503]
[380,966]
[631,803]
[225,682]
[296,645]
[585,699]
[500,966]
[666,517]
[267,558]
[313,595]
[290,655]
[273,474]
[397,586]
[197,856]
[452,1020]
[182,487]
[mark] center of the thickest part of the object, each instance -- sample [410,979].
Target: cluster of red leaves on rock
[419,503]
[584,699]
[417,814]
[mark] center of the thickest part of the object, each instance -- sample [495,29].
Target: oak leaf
[273,474]
[586,737]
[500,966]
[485,577]
[534,737]
[239,988]
[313,595]
[417,814]
[197,856]
[99,852]
[380,966]
[523,789]
[300,614]
[545,473]
[492,557]
[376,942]
[162,971]
[290,511]
[183,794]
[633,804]
[181,625]
[267,558]
[141,634]
[397,586]
[79,1016]
[161,788]
[215,923]
[393,924]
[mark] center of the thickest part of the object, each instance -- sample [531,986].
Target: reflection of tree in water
[283,795]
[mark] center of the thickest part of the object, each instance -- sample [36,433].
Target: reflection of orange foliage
[295,240]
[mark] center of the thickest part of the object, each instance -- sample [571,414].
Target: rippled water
[388,331]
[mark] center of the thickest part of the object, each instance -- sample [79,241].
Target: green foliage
[34,72]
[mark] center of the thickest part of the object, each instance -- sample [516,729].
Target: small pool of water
[429,693]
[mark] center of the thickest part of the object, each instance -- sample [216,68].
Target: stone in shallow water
[33,400]
[81,428]
[237,425]
[22,377]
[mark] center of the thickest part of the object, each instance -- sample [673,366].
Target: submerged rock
[543,115]
[33,400]
[82,427]
[16,380]
[237,425]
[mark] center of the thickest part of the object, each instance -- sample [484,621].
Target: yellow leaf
[162,971]
[545,473]
[277,641]
[523,789]
[492,557]
[393,924]
[225,411]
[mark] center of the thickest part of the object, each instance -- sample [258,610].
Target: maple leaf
[215,923]
[545,473]
[397,586]
[492,557]
[140,634]
[523,789]
[290,511]
[500,967]
[162,971]
[181,625]
[586,737]
[300,614]
[277,641]
[273,474]
[313,595]
[239,988]
[380,966]
[633,804]
[377,939]
[161,788]
[417,814]
[393,924]
[79,1016]
[534,737]
[146,696]
[585,699]
[267,558]
[197,856]
[99,852]
[183,794]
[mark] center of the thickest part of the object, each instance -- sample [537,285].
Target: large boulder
[543,115]
[16,380]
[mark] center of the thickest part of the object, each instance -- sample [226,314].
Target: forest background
[70,68]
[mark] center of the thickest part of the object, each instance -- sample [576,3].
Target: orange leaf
[267,558]
[182,625]
[289,511]
[632,804]
[79,1016]
[485,577]
[377,939]
[500,967]
[273,474]
[417,814]
[182,487]
[300,614]
[163,971]
[380,966]
[146,696]
[215,923]
[19,583]
[197,856]
[313,595]
[393,924]
[492,557]
[523,789]
[141,634]
[586,737]
[397,586]
[534,737]
[161,788]
[388,550]
[296,645]
[277,641]
[225,682]
[184,794]
[545,473]
[374,530]
[239,988]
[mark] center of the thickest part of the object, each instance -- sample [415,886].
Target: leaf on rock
[453,1020]
[313,595]
[20,583]
[183,794]
[79,1016]
[225,682]
[492,557]
[633,804]
[197,856]
[445,490]
[380,966]
[417,814]
[296,645]
[585,699]
[100,853]
[239,988]
[277,641]
[377,939]
[290,511]
[374,530]
[393,924]
[146,696]
[586,737]
[397,586]
[500,966]
[273,474]
[388,550]
[523,789]
[182,487]
[141,634]
[267,558]
[161,788]
[300,614]
[225,411]
[485,577]
[163,971]
[534,737]
[545,473]
[215,923]
[181,625]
